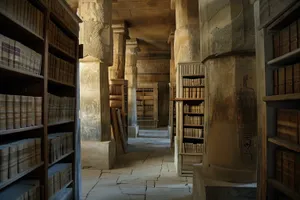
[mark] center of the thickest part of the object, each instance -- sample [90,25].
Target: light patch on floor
[146,172]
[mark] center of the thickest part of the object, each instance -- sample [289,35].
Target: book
[285,41]
[30,112]
[38,110]
[294,36]
[296,78]
[4,158]
[2,112]
[9,112]
[24,102]
[17,111]
[289,80]
[281,81]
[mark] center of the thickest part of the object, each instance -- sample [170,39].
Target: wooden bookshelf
[118,97]
[281,178]
[172,115]
[147,105]
[190,128]
[36,32]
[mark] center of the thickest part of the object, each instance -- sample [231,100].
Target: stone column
[98,150]
[186,49]
[120,33]
[131,76]
[228,51]
[172,61]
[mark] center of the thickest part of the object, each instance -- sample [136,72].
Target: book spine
[17,111]
[9,112]
[30,112]
[2,112]
[24,100]
[38,110]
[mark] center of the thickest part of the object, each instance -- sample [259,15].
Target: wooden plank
[284,97]
[286,59]
[116,131]
[121,128]
[284,143]
[284,189]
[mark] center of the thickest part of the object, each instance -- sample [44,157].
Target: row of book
[18,157]
[193,132]
[287,80]
[288,169]
[193,92]
[17,56]
[192,148]
[287,39]
[24,189]
[60,144]
[189,161]
[144,90]
[192,69]
[288,125]
[19,111]
[115,89]
[193,82]
[63,15]
[25,14]
[60,40]
[194,108]
[59,176]
[194,120]
[61,70]
[60,108]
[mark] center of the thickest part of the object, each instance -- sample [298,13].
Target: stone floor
[146,172]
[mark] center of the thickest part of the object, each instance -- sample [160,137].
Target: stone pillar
[131,76]
[172,61]
[227,49]
[186,49]
[97,150]
[120,33]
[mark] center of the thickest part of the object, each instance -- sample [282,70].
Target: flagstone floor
[146,172]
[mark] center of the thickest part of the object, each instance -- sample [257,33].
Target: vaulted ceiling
[150,21]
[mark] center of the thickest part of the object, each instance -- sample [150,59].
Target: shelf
[61,158]
[12,72]
[17,27]
[283,97]
[284,189]
[193,138]
[60,123]
[19,176]
[189,99]
[287,59]
[284,143]
[191,154]
[61,53]
[199,86]
[192,113]
[194,76]
[11,131]
[56,82]
[53,197]
[193,125]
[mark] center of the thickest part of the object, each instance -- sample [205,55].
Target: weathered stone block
[226,26]
[98,155]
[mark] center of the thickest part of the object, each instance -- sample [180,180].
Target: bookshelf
[282,139]
[190,122]
[147,105]
[38,107]
[172,115]
[118,96]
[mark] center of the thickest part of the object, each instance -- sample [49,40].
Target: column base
[133,131]
[98,155]
[176,156]
[170,131]
[209,189]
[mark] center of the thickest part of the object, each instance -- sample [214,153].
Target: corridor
[146,172]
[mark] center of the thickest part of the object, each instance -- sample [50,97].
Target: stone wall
[157,70]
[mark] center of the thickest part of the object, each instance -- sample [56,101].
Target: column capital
[132,46]
[121,27]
